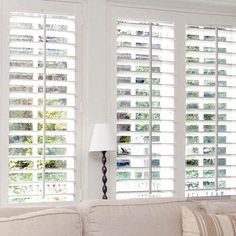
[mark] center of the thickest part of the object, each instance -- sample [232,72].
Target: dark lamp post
[103,140]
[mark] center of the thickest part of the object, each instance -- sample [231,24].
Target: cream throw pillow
[51,222]
[198,223]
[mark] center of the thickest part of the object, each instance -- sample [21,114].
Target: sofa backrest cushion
[15,211]
[219,206]
[139,217]
[58,222]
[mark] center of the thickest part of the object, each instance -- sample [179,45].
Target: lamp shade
[103,138]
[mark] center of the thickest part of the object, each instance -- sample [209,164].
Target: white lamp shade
[103,138]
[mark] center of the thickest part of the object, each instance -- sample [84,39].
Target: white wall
[95,92]
[97,79]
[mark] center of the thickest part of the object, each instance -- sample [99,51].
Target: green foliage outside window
[192,48]
[23,139]
[192,106]
[192,162]
[192,71]
[56,139]
[192,37]
[53,177]
[141,128]
[142,92]
[208,184]
[222,139]
[209,139]
[156,174]
[19,165]
[52,164]
[208,162]
[192,82]
[142,104]
[20,177]
[192,94]
[142,116]
[124,139]
[123,115]
[192,128]
[192,139]
[53,114]
[209,83]
[20,151]
[209,173]
[192,59]
[53,126]
[209,94]
[123,175]
[209,117]
[20,114]
[209,106]
[222,117]
[209,128]
[192,117]
[52,151]
[191,173]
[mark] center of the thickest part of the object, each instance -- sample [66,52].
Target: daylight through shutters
[145,109]
[41,108]
[210,111]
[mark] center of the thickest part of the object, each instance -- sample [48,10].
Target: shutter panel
[41,108]
[210,117]
[145,156]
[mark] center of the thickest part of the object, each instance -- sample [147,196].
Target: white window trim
[180,20]
[69,8]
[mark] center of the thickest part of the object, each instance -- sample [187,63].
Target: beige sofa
[136,217]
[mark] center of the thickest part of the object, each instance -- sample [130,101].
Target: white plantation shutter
[41,107]
[210,111]
[145,99]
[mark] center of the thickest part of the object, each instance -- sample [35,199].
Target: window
[175,114]
[210,111]
[145,109]
[42,105]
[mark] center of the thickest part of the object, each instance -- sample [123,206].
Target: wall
[96,87]
[95,74]
[95,92]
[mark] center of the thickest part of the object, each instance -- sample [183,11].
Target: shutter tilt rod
[217,109]
[150,108]
[44,103]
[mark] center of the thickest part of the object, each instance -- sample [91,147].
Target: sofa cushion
[59,222]
[196,223]
[134,217]
[219,206]
[15,211]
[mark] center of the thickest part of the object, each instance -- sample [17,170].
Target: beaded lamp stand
[104,178]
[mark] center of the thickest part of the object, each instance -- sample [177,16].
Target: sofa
[134,217]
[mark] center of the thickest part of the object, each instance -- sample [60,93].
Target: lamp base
[104,178]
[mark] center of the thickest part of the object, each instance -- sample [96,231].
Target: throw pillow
[199,223]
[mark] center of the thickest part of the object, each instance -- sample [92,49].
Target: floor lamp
[103,140]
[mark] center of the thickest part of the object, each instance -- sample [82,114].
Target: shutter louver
[41,108]
[211,109]
[145,155]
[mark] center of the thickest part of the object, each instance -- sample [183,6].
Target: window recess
[210,111]
[145,109]
[41,108]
